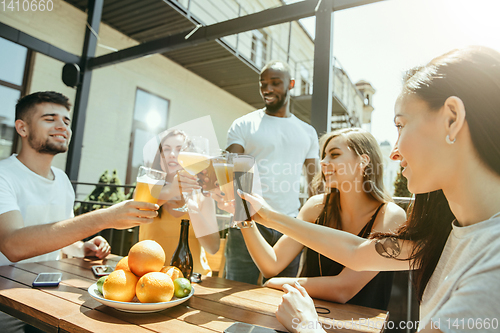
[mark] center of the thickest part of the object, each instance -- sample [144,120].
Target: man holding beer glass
[281,144]
[149,184]
[36,199]
[234,172]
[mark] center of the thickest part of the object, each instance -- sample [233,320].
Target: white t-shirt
[39,200]
[280,146]
[463,293]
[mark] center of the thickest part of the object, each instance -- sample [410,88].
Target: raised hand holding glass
[193,158]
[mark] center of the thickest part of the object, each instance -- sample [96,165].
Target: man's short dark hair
[27,103]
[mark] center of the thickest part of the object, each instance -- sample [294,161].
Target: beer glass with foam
[149,184]
[224,171]
[193,158]
[243,179]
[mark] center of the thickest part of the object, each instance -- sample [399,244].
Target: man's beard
[46,147]
[275,107]
[278,105]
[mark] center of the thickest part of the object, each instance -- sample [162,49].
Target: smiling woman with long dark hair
[448,119]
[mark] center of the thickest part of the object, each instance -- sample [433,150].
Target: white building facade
[118,118]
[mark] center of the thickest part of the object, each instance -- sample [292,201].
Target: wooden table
[216,304]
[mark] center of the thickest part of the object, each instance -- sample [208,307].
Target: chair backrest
[217,261]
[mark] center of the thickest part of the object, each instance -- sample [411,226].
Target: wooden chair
[217,261]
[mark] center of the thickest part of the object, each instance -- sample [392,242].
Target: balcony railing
[344,90]
[259,46]
[122,240]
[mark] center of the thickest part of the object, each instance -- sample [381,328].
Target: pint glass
[149,185]
[243,179]
[224,170]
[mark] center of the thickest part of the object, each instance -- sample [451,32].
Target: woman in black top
[355,201]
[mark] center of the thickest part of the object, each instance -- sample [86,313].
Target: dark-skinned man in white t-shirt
[281,144]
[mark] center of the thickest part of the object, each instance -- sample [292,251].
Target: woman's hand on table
[278,282]
[96,247]
[297,312]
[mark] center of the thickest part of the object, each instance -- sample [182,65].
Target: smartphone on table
[47,280]
[102,270]
[249,328]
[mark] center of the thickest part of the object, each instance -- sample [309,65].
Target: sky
[379,41]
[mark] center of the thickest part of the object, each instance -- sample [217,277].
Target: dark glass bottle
[182,257]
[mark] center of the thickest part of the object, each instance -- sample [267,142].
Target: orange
[154,287]
[120,286]
[122,264]
[146,256]
[172,271]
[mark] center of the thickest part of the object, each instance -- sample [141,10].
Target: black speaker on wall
[71,75]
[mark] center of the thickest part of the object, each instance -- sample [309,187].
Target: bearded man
[36,199]
[281,145]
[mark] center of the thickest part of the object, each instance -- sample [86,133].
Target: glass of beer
[224,171]
[149,184]
[243,178]
[193,158]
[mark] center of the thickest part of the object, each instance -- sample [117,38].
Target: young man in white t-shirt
[281,144]
[36,199]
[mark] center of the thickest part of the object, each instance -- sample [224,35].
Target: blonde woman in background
[165,228]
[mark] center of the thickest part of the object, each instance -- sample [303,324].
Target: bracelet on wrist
[244,224]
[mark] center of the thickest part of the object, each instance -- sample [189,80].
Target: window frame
[137,124]
[23,91]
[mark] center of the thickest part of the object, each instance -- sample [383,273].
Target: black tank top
[375,294]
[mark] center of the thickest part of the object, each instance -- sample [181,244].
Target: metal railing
[245,44]
[256,47]
[122,240]
[343,89]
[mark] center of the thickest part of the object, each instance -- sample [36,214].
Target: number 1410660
[27,5]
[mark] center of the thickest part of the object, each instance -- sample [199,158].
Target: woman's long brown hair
[473,75]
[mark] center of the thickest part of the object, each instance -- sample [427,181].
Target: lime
[182,287]
[100,282]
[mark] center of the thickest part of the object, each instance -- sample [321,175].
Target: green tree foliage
[103,193]
[400,186]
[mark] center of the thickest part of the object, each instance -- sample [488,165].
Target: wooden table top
[216,304]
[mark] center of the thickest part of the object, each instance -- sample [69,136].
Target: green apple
[182,287]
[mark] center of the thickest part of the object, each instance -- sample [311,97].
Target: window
[259,48]
[150,118]
[305,85]
[13,77]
